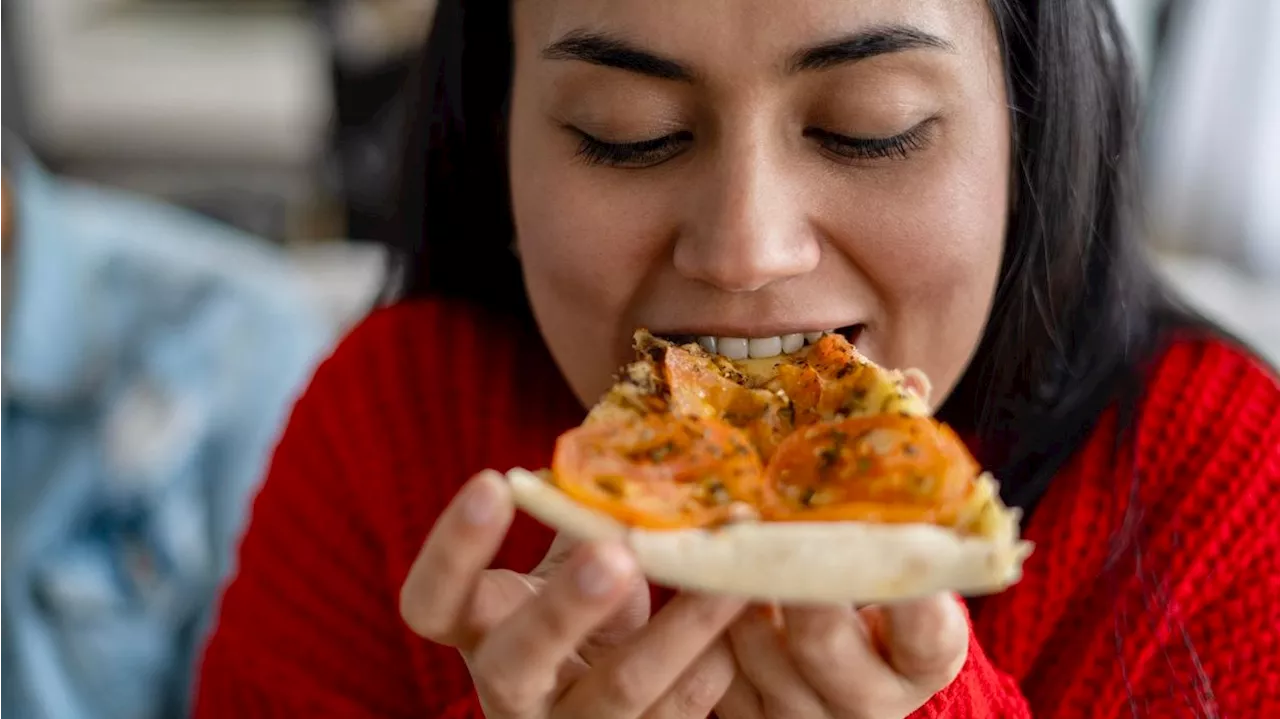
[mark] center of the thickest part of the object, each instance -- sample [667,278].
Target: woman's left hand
[840,663]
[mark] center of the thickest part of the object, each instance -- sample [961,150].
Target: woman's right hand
[574,638]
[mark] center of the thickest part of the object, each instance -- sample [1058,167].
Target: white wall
[110,79]
[1138,18]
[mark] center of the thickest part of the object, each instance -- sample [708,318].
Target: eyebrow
[608,51]
[866,44]
[613,52]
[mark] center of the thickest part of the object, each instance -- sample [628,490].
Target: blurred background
[191,190]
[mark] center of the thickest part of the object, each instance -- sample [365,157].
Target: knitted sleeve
[980,690]
[1196,620]
[1180,617]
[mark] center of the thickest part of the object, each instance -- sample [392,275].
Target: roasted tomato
[835,380]
[661,471]
[877,468]
[697,387]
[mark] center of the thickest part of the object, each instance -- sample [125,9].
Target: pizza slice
[817,476]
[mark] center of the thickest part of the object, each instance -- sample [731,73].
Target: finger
[760,648]
[631,615]
[641,671]
[832,650]
[459,547]
[927,640]
[498,594]
[561,549]
[700,688]
[740,700]
[517,667]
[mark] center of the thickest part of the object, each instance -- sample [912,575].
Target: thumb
[927,640]
[632,614]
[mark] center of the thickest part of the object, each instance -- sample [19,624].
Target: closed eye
[655,151]
[900,146]
[639,154]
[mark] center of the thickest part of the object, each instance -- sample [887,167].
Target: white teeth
[764,346]
[739,348]
[733,347]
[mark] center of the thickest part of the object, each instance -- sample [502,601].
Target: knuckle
[498,595]
[813,644]
[697,695]
[939,666]
[934,653]
[621,689]
[506,687]
[552,617]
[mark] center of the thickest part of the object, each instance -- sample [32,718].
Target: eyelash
[648,153]
[898,147]
[645,153]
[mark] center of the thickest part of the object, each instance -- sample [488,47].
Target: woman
[947,182]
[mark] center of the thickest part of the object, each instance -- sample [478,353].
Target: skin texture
[753,222]
[754,228]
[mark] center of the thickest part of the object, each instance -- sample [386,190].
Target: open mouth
[740,348]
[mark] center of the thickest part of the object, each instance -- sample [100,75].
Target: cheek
[586,248]
[929,240]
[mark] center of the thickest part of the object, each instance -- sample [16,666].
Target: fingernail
[481,503]
[600,574]
[768,613]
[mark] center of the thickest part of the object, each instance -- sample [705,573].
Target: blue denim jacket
[150,359]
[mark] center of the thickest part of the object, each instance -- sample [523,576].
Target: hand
[572,640]
[840,663]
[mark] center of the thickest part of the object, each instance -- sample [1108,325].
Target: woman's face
[753,169]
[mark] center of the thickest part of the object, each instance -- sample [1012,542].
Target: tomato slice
[835,380]
[877,468]
[660,471]
[697,387]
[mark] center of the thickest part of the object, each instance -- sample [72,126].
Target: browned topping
[612,485]
[690,435]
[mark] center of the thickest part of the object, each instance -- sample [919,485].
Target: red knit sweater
[421,396]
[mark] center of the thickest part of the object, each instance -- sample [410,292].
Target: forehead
[730,33]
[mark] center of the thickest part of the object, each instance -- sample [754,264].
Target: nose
[749,227]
